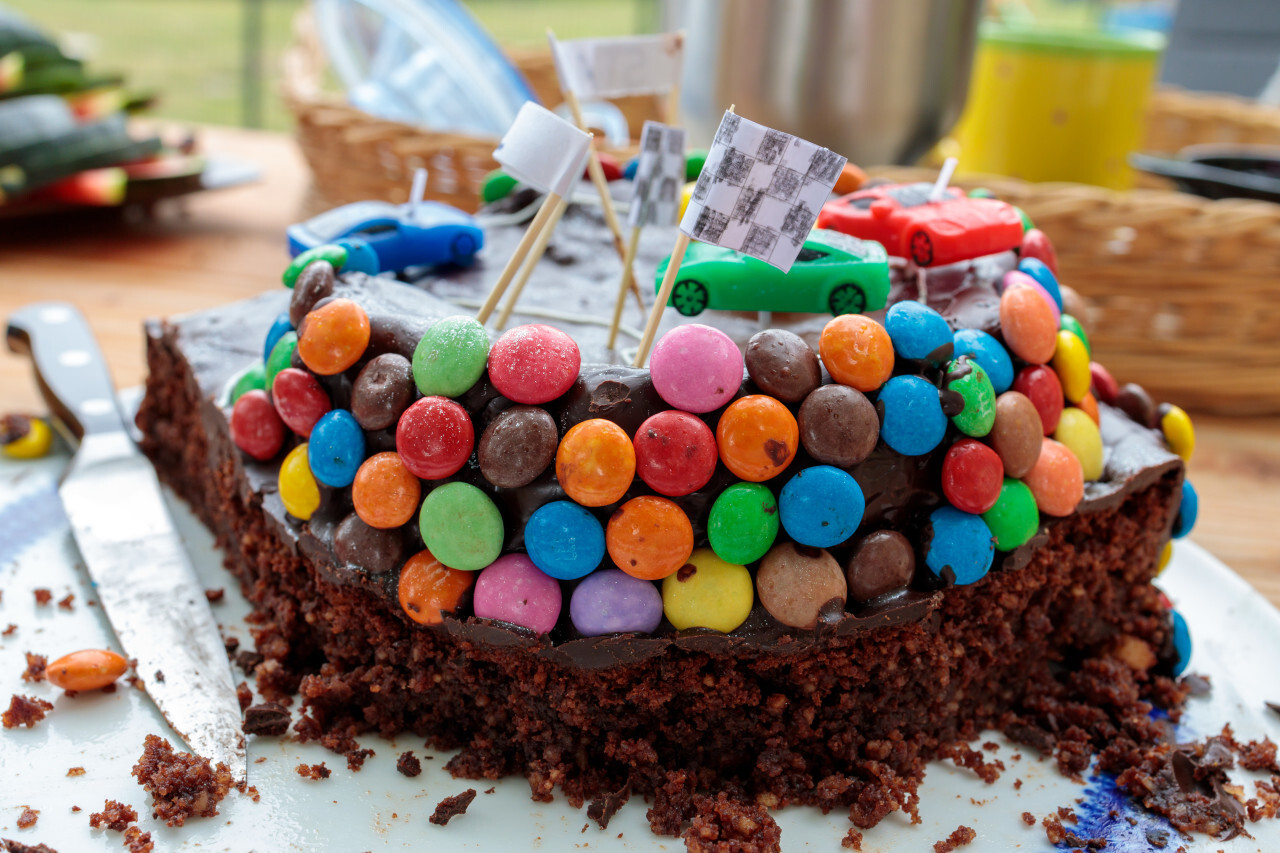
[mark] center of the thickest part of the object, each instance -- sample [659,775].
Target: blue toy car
[425,233]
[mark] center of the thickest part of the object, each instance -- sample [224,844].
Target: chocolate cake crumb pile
[357,757]
[43,596]
[1059,834]
[269,719]
[28,818]
[313,771]
[181,785]
[114,816]
[602,809]
[24,711]
[408,764]
[11,846]
[137,841]
[962,836]
[725,825]
[450,807]
[35,667]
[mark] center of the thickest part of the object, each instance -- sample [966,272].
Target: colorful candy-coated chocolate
[782,365]
[88,669]
[385,492]
[296,484]
[281,356]
[743,523]
[1014,518]
[335,255]
[1081,436]
[517,446]
[564,540]
[757,437]
[361,256]
[533,364]
[1028,323]
[253,378]
[315,283]
[33,444]
[629,170]
[1027,224]
[337,448]
[1178,432]
[1016,278]
[880,563]
[1105,387]
[332,337]
[694,160]
[300,399]
[1073,303]
[967,380]
[1072,325]
[382,391]
[1041,385]
[497,185]
[696,368]
[797,585]
[1166,554]
[913,423]
[959,546]
[708,593]
[1017,434]
[918,332]
[1071,363]
[989,353]
[1188,511]
[675,453]
[821,506]
[461,526]
[610,166]
[1181,643]
[850,180]
[857,352]
[838,425]
[649,537]
[1045,277]
[429,589]
[434,437]
[1134,401]
[255,426]
[279,327]
[513,590]
[1089,405]
[1056,480]
[610,601]
[375,550]
[1036,244]
[451,357]
[972,474]
[595,462]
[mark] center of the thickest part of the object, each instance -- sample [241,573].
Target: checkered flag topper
[760,191]
[660,171]
[621,66]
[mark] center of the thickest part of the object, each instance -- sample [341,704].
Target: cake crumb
[75,771]
[215,595]
[356,758]
[181,785]
[991,746]
[114,816]
[28,818]
[230,644]
[852,839]
[244,695]
[724,824]
[137,841]
[602,809]
[248,661]
[268,719]
[261,759]
[11,846]
[1028,818]
[971,759]
[313,771]
[450,807]
[1258,755]
[962,836]
[76,809]
[409,765]
[491,790]
[1067,815]
[24,711]
[9,630]
[1017,784]
[65,603]
[43,596]
[36,665]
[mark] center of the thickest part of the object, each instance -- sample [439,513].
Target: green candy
[693,163]
[1027,224]
[1072,325]
[451,357]
[461,527]
[743,523]
[979,396]
[335,255]
[1014,519]
[497,185]
[253,379]
[281,356]
[981,192]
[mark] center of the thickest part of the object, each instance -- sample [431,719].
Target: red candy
[610,166]
[434,438]
[1042,387]
[534,364]
[972,475]
[1104,384]
[255,427]
[675,453]
[299,399]
[1035,244]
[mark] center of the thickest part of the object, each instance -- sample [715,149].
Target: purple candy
[696,368]
[1017,278]
[610,601]
[514,590]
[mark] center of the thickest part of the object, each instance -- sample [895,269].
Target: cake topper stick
[939,191]
[664,293]
[535,255]
[545,213]
[418,192]
[627,280]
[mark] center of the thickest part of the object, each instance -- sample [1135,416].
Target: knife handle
[70,369]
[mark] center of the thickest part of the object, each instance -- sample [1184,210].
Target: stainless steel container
[879,81]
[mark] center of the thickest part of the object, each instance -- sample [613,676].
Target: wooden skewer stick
[549,204]
[627,264]
[535,255]
[655,313]
[672,112]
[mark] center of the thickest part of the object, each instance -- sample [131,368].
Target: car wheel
[689,297]
[921,249]
[847,299]
[463,249]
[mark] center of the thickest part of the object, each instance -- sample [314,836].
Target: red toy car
[901,217]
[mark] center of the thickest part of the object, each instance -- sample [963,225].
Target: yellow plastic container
[1058,105]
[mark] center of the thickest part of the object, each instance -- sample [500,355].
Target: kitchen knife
[135,557]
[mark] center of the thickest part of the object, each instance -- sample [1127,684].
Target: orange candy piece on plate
[88,669]
[857,352]
[596,462]
[385,493]
[757,437]
[429,588]
[1027,324]
[333,337]
[1056,480]
[649,537]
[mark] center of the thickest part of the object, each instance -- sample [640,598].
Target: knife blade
[142,573]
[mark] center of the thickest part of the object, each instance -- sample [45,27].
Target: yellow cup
[1058,105]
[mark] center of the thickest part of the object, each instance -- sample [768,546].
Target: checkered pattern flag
[659,176]
[615,67]
[543,150]
[760,191]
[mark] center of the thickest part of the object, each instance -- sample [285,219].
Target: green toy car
[833,272]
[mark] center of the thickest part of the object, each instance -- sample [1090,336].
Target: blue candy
[1187,511]
[917,332]
[913,420]
[1040,271]
[279,327]
[989,354]
[821,506]
[960,541]
[360,256]
[629,171]
[336,448]
[1181,643]
[564,540]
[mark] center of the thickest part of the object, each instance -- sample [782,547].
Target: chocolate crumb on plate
[75,771]
[215,595]
[602,809]
[313,771]
[408,764]
[450,807]
[35,667]
[231,644]
[9,629]
[1028,818]
[852,839]
[65,603]
[248,661]
[720,823]
[182,785]
[267,718]
[28,817]
[114,816]
[137,841]
[43,596]
[24,711]
[491,790]
[356,758]
[244,695]
[962,836]
[11,846]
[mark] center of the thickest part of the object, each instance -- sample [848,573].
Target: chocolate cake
[1064,643]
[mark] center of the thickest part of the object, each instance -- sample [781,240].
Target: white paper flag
[614,67]
[760,191]
[659,177]
[543,150]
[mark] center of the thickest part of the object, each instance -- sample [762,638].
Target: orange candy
[333,337]
[89,669]
[851,178]
[857,352]
[1089,405]
[429,588]
[385,493]
[1057,479]
[596,462]
[1027,323]
[649,538]
[757,437]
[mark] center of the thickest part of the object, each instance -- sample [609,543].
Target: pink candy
[512,589]
[534,364]
[696,368]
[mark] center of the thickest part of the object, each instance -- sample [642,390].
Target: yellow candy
[685,195]
[1179,432]
[298,489]
[716,594]
[36,442]
[1071,363]
[1080,434]
[1165,556]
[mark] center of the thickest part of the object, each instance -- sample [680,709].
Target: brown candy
[880,563]
[795,584]
[1017,434]
[517,446]
[314,283]
[782,365]
[1135,402]
[1073,303]
[382,391]
[838,425]
[376,551]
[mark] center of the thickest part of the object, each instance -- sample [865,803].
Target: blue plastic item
[427,233]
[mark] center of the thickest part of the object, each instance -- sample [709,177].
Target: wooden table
[230,245]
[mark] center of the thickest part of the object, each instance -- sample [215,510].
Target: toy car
[930,233]
[833,272]
[426,233]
